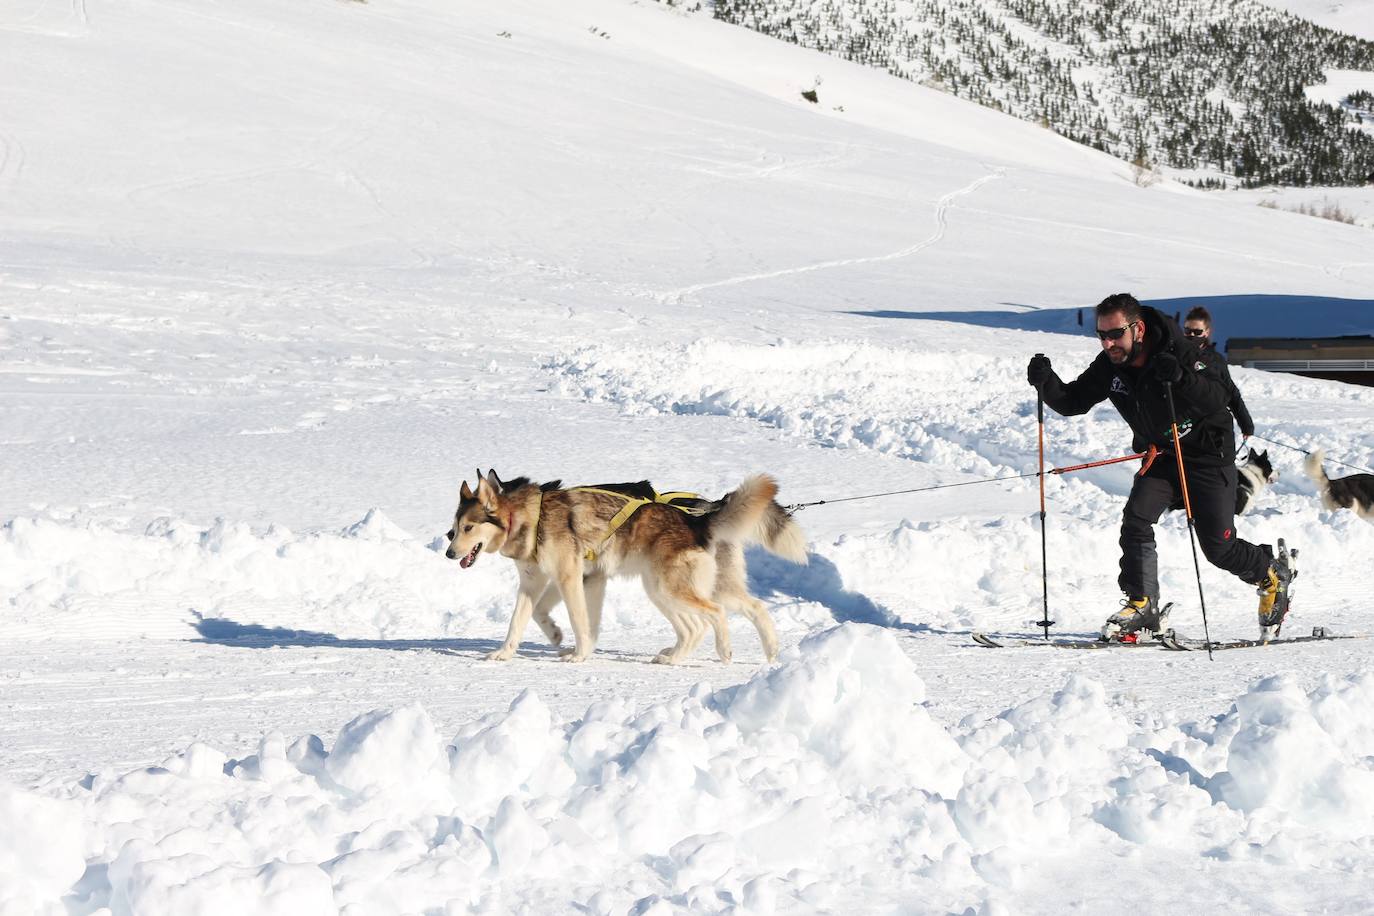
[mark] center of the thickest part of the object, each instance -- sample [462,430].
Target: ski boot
[1275,592]
[1137,617]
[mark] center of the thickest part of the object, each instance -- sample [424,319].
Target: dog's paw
[555,636]
[572,656]
[666,657]
[501,655]
[725,657]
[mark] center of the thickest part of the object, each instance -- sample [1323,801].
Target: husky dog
[1353,492]
[1255,474]
[565,547]
[731,592]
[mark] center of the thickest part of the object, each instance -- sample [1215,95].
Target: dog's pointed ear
[486,492]
[494,480]
[465,493]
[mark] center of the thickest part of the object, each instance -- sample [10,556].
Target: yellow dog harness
[632,505]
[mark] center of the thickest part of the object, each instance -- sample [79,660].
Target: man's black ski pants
[1212,492]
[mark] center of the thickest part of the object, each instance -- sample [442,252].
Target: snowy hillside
[1211,89]
[277,277]
[1354,17]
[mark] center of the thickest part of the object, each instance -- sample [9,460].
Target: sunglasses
[1194,332]
[1114,333]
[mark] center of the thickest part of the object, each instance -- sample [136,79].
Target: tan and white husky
[689,553]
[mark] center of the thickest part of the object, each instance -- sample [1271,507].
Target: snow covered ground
[275,278]
[1354,17]
[1340,85]
[1354,203]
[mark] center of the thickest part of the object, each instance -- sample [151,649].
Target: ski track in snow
[942,206]
[11,161]
[71,22]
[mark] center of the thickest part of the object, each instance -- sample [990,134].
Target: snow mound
[833,696]
[783,790]
[41,851]
[1303,755]
[377,527]
[384,749]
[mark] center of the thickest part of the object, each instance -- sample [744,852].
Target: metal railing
[1311,365]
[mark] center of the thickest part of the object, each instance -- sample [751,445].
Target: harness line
[1353,467]
[1148,456]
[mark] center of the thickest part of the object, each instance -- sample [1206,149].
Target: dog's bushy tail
[1312,464]
[750,515]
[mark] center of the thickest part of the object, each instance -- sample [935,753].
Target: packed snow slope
[274,278]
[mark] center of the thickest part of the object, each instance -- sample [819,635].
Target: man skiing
[1197,325]
[1143,351]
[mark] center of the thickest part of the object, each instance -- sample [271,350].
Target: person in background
[1197,326]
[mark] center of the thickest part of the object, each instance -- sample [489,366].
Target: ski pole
[1045,622]
[1188,510]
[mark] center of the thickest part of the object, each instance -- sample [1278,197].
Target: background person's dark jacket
[1237,403]
[1201,396]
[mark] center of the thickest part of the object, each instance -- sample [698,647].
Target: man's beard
[1127,354]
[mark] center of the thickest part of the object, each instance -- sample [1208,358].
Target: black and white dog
[1353,492]
[1255,474]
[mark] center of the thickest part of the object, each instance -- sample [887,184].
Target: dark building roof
[1299,343]
[1345,359]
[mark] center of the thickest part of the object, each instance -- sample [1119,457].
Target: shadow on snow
[820,582]
[224,632]
[1241,315]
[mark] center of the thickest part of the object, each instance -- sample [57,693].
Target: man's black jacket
[1200,397]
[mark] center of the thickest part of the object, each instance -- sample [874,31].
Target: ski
[1140,638]
[1013,642]
[1178,643]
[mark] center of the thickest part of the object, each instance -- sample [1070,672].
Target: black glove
[1168,369]
[1039,371]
